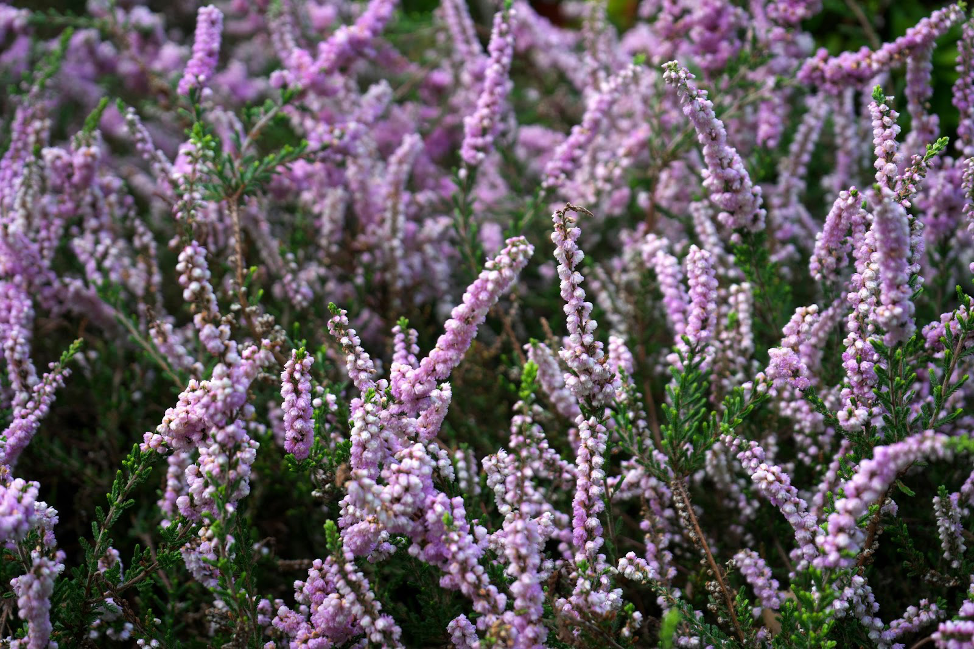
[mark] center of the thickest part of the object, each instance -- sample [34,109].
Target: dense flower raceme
[206,50]
[720,399]
[296,391]
[481,127]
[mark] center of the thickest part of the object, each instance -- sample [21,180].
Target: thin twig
[258,127]
[867,27]
[149,348]
[234,209]
[698,532]
[152,551]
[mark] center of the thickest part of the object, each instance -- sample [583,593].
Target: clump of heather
[351,324]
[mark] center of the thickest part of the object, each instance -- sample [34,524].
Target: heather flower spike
[206,50]
[725,176]
[565,159]
[592,377]
[847,68]
[894,313]
[296,393]
[495,280]
[481,127]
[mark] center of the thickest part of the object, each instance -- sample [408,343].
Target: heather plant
[321,372]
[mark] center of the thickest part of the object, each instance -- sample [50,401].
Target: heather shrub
[347,324]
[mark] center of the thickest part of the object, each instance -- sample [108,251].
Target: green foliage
[806,621]
[772,295]
[687,433]
[668,628]
[94,118]
[81,593]
[466,227]
[529,381]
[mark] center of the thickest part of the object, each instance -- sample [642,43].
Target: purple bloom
[394,201]
[959,632]
[859,358]
[775,485]
[669,276]
[144,145]
[18,499]
[919,91]
[591,380]
[496,279]
[786,364]
[847,151]
[792,12]
[358,363]
[194,277]
[431,418]
[481,127]
[702,290]
[913,619]
[349,40]
[832,244]
[27,417]
[34,591]
[725,176]
[885,130]
[337,606]
[948,513]
[755,570]
[16,329]
[466,45]
[894,313]
[852,68]
[566,158]
[843,538]
[789,215]
[963,95]
[206,50]
[552,381]
[588,503]
[592,593]
[462,632]
[296,392]
[523,543]
[714,29]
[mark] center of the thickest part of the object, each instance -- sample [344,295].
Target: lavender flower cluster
[296,260]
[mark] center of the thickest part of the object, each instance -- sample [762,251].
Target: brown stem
[3,619]
[871,533]
[259,127]
[234,210]
[414,80]
[679,488]
[922,643]
[127,611]
[784,556]
[867,28]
